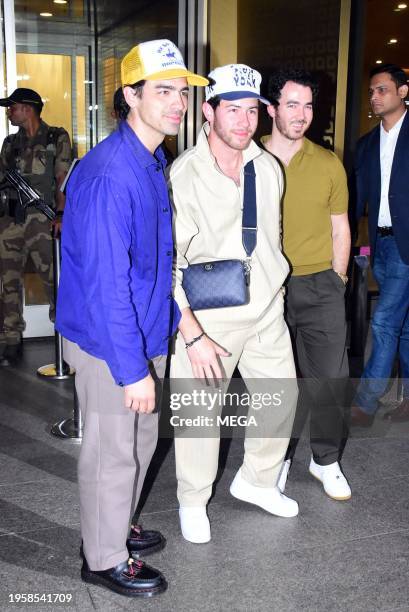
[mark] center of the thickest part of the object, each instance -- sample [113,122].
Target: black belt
[385,231]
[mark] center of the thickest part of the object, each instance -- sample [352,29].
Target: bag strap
[249,220]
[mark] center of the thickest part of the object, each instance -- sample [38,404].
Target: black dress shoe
[359,418]
[130,578]
[399,414]
[142,542]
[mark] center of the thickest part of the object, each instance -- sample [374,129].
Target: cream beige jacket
[207,226]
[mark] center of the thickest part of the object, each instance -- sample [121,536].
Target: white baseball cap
[155,60]
[233,82]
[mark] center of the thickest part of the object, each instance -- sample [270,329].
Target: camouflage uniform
[39,159]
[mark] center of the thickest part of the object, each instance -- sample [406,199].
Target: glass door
[64,98]
[70,52]
[53,44]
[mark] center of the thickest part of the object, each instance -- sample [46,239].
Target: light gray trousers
[116,451]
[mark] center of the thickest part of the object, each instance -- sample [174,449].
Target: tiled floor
[334,556]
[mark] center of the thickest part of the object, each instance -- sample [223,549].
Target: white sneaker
[335,484]
[283,475]
[269,498]
[194,524]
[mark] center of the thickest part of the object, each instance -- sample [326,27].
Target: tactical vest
[44,183]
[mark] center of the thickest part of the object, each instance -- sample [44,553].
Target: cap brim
[177,73]
[239,95]
[6,102]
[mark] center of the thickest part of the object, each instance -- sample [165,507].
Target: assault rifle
[26,194]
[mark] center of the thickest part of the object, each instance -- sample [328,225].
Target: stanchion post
[58,370]
[70,429]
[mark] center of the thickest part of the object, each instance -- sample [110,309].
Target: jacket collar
[142,154]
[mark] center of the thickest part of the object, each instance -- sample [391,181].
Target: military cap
[23,95]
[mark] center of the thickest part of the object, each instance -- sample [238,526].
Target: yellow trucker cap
[155,60]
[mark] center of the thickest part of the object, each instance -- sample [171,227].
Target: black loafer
[130,578]
[142,542]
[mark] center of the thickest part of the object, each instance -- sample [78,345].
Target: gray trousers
[316,318]
[116,451]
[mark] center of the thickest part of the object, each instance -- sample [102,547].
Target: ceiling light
[60,1]
[378,62]
[46,14]
[393,41]
[400,6]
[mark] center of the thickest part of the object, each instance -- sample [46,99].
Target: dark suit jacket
[368,186]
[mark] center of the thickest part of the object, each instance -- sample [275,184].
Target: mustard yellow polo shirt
[315,189]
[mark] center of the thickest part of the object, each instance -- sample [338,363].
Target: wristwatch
[343,277]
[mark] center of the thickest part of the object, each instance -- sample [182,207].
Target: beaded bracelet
[191,343]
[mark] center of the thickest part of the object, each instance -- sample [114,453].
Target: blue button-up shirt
[115,293]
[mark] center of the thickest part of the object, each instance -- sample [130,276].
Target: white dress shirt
[387,151]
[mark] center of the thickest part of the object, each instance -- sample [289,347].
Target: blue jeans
[390,326]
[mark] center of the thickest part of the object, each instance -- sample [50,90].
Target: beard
[286,131]
[231,140]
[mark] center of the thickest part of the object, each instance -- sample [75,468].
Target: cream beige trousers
[264,358]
